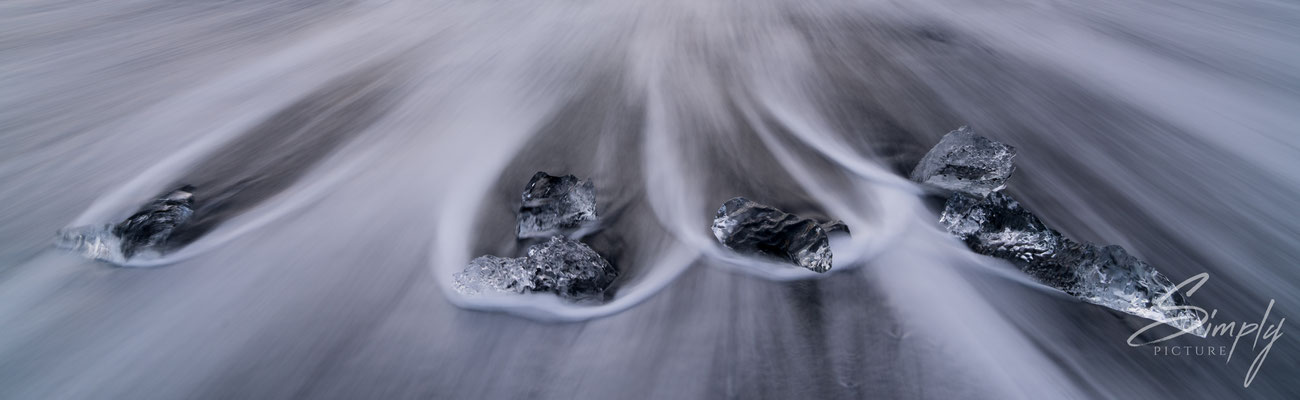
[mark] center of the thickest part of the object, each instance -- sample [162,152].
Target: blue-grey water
[363,151]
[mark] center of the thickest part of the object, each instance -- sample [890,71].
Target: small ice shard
[997,226]
[836,226]
[148,230]
[1107,276]
[968,163]
[554,205]
[562,266]
[750,227]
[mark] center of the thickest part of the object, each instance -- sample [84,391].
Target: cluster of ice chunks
[551,206]
[749,227]
[146,232]
[560,265]
[975,169]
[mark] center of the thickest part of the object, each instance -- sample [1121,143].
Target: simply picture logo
[1260,335]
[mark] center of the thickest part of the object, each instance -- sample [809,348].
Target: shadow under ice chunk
[750,227]
[555,204]
[968,163]
[562,266]
[146,231]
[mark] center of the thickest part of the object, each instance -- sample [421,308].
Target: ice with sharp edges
[1103,275]
[562,266]
[974,169]
[999,227]
[149,228]
[146,231]
[554,205]
[749,227]
[1108,276]
[968,163]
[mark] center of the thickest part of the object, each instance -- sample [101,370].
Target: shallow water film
[274,199]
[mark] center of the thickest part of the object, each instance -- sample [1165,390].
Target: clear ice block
[1103,275]
[562,266]
[1110,277]
[555,205]
[968,163]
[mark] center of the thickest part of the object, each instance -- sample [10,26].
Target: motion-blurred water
[361,152]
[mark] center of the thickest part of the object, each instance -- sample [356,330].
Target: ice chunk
[148,230]
[1103,275]
[561,266]
[554,205]
[570,268]
[750,227]
[966,162]
[999,227]
[497,274]
[1108,276]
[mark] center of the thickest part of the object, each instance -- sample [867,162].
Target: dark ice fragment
[749,227]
